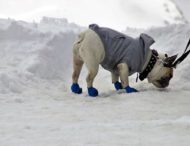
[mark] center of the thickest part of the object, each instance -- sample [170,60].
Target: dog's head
[162,72]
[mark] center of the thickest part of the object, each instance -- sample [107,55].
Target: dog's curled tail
[78,43]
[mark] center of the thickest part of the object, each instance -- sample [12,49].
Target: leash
[183,56]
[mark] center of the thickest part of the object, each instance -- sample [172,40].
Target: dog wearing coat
[120,54]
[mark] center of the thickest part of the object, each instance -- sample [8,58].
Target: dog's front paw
[92,91]
[76,89]
[118,85]
[130,90]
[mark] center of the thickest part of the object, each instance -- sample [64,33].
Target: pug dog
[120,54]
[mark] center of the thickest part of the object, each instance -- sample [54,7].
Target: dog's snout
[164,81]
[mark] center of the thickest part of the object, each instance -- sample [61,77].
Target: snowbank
[39,50]
[44,50]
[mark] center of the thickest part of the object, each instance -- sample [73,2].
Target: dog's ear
[168,62]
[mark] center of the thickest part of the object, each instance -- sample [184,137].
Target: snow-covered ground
[38,109]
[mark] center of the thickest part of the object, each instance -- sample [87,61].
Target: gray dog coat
[120,48]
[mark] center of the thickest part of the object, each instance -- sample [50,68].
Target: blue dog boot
[118,85]
[76,89]
[92,92]
[128,89]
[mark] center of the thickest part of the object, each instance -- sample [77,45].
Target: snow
[37,107]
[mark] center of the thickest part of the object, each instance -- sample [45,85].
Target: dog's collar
[149,66]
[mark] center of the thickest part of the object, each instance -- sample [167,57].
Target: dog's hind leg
[92,64]
[92,72]
[77,66]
